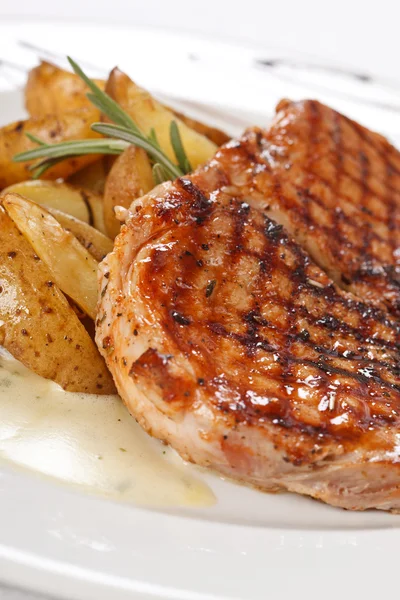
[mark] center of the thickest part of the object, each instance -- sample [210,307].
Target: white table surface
[357,34]
[352,32]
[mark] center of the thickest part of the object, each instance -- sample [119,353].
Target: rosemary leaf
[115,118]
[41,167]
[35,139]
[159,175]
[176,142]
[107,105]
[122,133]
[153,138]
[73,148]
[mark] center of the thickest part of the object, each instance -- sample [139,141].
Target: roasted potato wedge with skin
[96,206]
[79,202]
[50,129]
[95,242]
[93,177]
[149,114]
[53,91]
[53,194]
[38,326]
[130,177]
[73,268]
[212,133]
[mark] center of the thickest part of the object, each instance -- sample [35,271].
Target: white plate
[250,545]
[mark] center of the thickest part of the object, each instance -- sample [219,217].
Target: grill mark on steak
[372,143]
[255,338]
[337,188]
[276,373]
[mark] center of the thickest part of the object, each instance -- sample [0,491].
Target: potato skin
[95,242]
[79,202]
[73,269]
[51,129]
[53,91]
[54,194]
[39,327]
[93,177]
[130,177]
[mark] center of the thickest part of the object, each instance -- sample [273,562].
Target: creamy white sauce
[88,441]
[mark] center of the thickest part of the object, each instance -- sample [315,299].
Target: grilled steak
[226,340]
[334,185]
[249,312]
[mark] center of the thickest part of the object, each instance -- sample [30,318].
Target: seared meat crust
[226,340]
[334,185]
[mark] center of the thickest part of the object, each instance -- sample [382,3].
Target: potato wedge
[95,242]
[38,326]
[93,177]
[72,268]
[130,177]
[149,114]
[53,194]
[53,91]
[212,133]
[51,129]
[78,202]
[96,208]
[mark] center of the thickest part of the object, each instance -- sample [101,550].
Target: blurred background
[244,56]
[358,33]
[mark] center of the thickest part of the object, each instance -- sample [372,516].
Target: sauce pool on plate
[88,441]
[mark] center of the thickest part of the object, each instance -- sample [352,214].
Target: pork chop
[333,184]
[227,341]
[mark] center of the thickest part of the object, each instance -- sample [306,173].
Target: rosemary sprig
[177,146]
[44,165]
[55,153]
[102,101]
[153,137]
[122,132]
[159,175]
[35,139]
[73,148]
